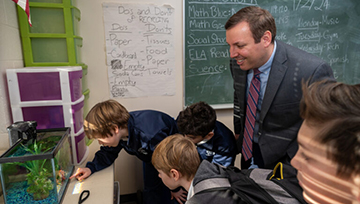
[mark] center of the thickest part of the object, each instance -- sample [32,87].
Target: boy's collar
[205,140]
[202,142]
[190,191]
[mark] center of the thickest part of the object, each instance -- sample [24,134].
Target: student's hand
[81,174]
[180,196]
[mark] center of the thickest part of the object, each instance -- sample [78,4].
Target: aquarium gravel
[16,194]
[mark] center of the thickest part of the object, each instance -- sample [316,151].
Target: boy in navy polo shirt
[138,132]
[215,142]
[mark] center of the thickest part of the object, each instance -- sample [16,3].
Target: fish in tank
[37,170]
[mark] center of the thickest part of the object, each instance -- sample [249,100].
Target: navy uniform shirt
[146,129]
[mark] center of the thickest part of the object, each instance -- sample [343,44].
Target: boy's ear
[175,174]
[116,129]
[209,136]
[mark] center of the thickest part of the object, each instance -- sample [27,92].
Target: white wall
[128,168]
[10,57]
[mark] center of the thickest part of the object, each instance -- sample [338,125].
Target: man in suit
[250,34]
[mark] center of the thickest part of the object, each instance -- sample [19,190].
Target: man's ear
[209,135]
[266,38]
[175,174]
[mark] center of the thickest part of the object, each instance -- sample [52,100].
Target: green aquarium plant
[38,177]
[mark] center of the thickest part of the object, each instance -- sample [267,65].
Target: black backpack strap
[284,175]
[271,187]
[254,185]
[246,188]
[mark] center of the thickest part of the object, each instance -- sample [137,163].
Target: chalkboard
[329,29]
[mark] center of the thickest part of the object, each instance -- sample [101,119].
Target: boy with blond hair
[138,132]
[177,161]
[176,157]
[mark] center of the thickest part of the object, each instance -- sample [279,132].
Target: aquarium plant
[38,177]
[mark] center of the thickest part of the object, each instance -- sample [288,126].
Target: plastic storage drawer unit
[54,38]
[53,98]
[44,84]
[79,148]
[50,114]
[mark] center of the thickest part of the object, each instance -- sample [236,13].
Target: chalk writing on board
[327,28]
[139,49]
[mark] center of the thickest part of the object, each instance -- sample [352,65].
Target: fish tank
[37,170]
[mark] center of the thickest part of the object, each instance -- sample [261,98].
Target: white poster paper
[139,49]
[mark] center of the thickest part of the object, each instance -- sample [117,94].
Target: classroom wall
[128,169]
[10,57]
[93,54]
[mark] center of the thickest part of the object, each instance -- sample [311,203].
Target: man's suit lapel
[277,73]
[240,85]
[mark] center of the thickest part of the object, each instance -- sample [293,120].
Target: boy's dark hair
[335,108]
[197,119]
[259,20]
[105,117]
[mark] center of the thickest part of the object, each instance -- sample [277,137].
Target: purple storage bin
[45,116]
[47,86]
[78,118]
[39,86]
[80,146]
[56,116]
[75,85]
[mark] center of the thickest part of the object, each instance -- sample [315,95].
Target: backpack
[279,185]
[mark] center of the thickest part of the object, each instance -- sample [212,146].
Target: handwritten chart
[139,49]
[329,29]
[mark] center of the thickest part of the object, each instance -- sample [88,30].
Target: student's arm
[104,158]
[160,135]
[224,145]
[223,160]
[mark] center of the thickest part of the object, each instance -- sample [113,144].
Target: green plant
[39,184]
[38,177]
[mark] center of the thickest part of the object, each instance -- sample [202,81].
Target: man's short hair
[259,20]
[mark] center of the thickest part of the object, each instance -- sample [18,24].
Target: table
[100,185]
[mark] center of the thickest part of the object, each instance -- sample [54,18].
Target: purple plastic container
[75,85]
[39,86]
[80,146]
[44,86]
[46,116]
[78,112]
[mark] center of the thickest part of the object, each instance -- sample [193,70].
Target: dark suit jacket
[279,118]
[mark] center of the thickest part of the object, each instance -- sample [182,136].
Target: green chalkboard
[329,29]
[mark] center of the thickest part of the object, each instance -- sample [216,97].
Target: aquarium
[37,170]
